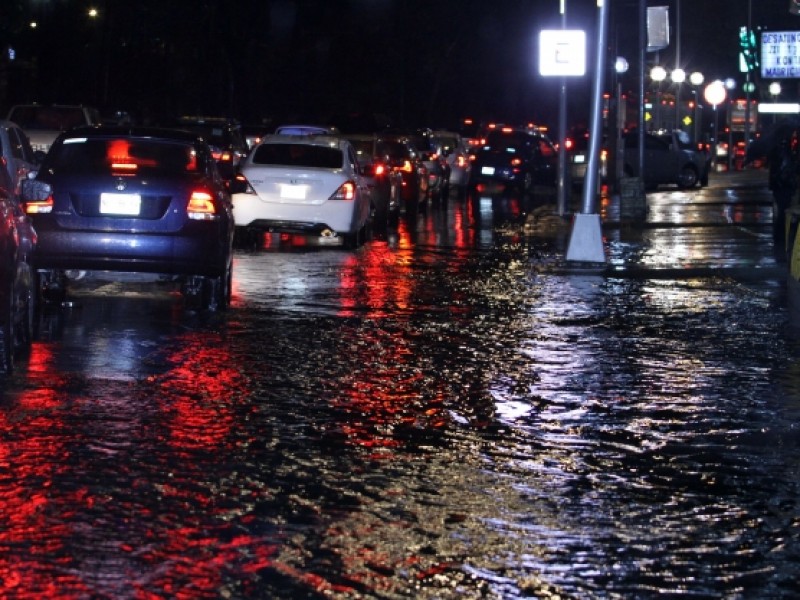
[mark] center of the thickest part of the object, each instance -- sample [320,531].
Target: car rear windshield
[216,135]
[298,155]
[120,156]
[59,118]
[393,149]
[511,139]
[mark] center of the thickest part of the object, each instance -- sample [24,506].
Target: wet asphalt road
[452,411]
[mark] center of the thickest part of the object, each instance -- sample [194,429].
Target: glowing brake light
[201,206]
[380,169]
[124,167]
[39,207]
[406,167]
[515,162]
[222,155]
[346,191]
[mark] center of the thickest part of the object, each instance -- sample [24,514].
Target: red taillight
[406,167]
[515,162]
[346,191]
[124,167]
[201,206]
[461,162]
[39,207]
[222,155]
[380,169]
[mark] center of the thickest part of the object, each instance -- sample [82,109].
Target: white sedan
[302,184]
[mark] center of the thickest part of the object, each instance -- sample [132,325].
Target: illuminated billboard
[780,54]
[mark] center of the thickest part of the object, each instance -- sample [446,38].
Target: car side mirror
[35,191]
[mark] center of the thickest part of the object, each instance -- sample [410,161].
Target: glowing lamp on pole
[715,94]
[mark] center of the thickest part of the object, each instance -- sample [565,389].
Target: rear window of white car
[298,155]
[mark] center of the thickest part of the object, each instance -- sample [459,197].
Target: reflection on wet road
[440,414]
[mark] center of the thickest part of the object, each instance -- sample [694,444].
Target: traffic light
[747,42]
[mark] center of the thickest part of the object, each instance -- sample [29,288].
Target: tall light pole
[696,79]
[658,74]
[715,94]
[561,200]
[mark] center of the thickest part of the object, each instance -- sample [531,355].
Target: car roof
[135,131]
[304,130]
[311,140]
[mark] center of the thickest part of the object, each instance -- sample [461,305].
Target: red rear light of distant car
[222,155]
[201,206]
[123,168]
[346,191]
[380,169]
[406,167]
[39,207]
[515,162]
[461,161]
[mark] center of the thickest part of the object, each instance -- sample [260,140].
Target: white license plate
[487,170]
[120,204]
[293,192]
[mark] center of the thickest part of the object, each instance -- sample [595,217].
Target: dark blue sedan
[133,200]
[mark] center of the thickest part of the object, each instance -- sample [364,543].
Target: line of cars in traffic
[164,202]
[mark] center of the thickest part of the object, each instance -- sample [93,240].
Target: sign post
[586,240]
[562,53]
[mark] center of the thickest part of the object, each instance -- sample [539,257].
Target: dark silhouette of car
[384,183]
[135,200]
[670,158]
[17,287]
[225,137]
[512,158]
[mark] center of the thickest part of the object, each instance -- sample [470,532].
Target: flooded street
[450,411]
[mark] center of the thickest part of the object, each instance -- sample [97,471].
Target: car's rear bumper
[339,216]
[207,251]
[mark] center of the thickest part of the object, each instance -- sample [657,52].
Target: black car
[513,159]
[17,288]
[137,200]
[669,158]
[384,183]
[403,158]
[225,136]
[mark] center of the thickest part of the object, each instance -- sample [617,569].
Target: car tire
[380,217]
[687,177]
[7,334]
[25,310]
[527,183]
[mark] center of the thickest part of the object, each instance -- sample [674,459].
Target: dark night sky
[420,62]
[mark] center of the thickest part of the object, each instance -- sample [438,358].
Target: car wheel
[52,287]
[7,334]
[527,183]
[687,178]
[216,292]
[380,216]
[245,237]
[24,310]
